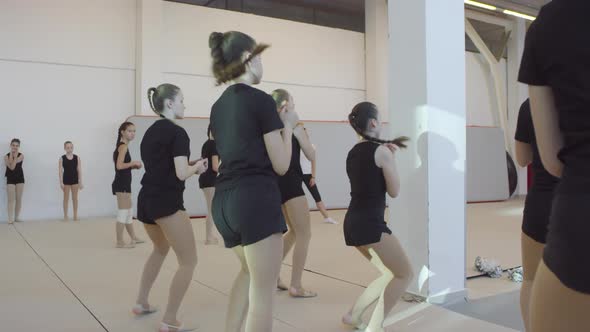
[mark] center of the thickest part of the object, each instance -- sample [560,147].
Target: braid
[399,141]
[150,93]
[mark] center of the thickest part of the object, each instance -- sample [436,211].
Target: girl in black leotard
[15,180]
[294,203]
[70,178]
[121,186]
[371,168]
[207,184]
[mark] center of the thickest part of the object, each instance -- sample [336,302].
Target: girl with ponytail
[372,172]
[165,151]
[121,186]
[254,146]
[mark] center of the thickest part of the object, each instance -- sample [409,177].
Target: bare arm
[10,162]
[384,158]
[215,162]
[545,121]
[185,171]
[121,164]
[304,142]
[279,149]
[523,153]
[80,173]
[60,171]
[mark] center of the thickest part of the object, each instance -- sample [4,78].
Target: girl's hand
[202,166]
[392,147]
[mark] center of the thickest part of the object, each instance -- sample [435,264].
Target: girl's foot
[178,327]
[281,285]
[300,292]
[357,324]
[139,309]
[330,221]
[138,240]
[126,245]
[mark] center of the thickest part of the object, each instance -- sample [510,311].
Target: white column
[376,50]
[427,103]
[517,92]
[148,52]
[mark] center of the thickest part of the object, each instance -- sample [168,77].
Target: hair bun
[215,40]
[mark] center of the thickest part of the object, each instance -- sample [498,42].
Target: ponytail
[157,96]
[359,120]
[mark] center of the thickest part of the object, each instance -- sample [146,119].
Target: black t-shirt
[557,55]
[239,119]
[525,133]
[209,150]
[163,141]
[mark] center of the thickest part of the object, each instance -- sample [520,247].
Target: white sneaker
[330,221]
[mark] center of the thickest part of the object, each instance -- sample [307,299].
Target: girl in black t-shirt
[295,206]
[537,207]
[70,178]
[15,180]
[165,152]
[372,172]
[121,186]
[252,145]
[556,66]
[207,184]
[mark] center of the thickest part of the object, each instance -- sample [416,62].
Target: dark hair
[280,96]
[359,120]
[227,50]
[157,96]
[122,127]
[67,142]
[15,140]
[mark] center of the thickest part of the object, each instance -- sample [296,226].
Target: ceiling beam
[323,6]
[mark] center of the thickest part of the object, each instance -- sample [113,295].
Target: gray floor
[60,276]
[502,309]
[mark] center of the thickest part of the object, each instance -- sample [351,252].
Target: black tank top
[295,166]
[70,167]
[367,184]
[122,175]
[16,175]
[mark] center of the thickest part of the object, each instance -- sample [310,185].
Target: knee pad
[122,216]
[129,216]
[375,260]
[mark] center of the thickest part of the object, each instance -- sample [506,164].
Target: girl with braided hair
[372,172]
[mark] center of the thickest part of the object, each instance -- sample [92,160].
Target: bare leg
[298,215]
[369,295]
[19,200]
[154,263]
[238,298]
[554,307]
[11,196]
[66,190]
[124,206]
[532,253]
[209,224]
[179,232]
[75,190]
[264,261]
[393,258]
[288,241]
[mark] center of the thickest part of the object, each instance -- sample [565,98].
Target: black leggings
[313,190]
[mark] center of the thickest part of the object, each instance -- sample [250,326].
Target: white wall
[323,68]
[482,109]
[67,74]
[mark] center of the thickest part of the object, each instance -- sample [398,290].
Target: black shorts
[537,209]
[15,181]
[153,204]
[315,193]
[290,187]
[120,187]
[364,226]
[567,253]
[248,212]
[207,180]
